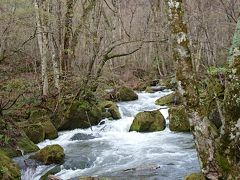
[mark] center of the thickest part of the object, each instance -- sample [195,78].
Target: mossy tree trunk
[71,38]
[181,53]
[218,151]
[230,131]
[68,35]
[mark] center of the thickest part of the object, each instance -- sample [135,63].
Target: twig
[109,7]
[9,106]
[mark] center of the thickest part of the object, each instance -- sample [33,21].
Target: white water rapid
[119,154]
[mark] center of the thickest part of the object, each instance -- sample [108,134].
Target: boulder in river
[35,132]
[149,89]
[82,114]
[121,93]
[148,121]
[81,136]
[152,89]
[171,99]
[110,110]
[8,169]
[49,129]
[50,173]
[125,94]
[50,154]
[178,119]
[169,82]
[39,128]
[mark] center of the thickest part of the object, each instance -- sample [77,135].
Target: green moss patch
[8,169]
[178,119]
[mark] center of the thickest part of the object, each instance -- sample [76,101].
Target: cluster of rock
[151,121]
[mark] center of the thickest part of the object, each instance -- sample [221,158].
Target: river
[109,150]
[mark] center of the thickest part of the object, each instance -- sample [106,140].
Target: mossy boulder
[23,145]
[110,110]
[149,90]
[49,129]
[126,94]
[39,128]
[8,169]
[170,99]
[169,82]
[178,119]
[148,121]
[13,140]
[40,117]
[152,89]
[52,154]
[34,132]
[120,93]
[81,114]
[195,176]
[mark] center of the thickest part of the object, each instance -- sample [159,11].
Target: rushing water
[119,154]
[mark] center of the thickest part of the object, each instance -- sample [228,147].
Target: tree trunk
[181,53]
[75,39]
[230,132]
[42,43]
[54,51]
[218,152]
[67,36]
[60,35]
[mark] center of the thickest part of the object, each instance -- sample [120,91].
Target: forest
[120,89]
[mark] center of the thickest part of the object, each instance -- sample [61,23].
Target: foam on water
[115,150]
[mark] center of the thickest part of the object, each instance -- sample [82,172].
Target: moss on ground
[8,169]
